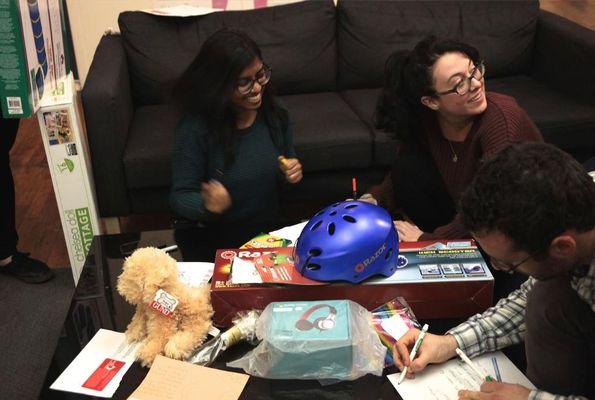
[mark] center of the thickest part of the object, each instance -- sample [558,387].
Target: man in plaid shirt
[531,208]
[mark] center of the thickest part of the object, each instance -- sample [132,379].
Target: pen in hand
[416,346]
[470,363]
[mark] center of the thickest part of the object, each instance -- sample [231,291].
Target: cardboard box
[61,125]
[33,59]
[461,286]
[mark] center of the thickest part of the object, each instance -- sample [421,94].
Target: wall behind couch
[89,19]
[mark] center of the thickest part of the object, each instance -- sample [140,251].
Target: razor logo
[361,266]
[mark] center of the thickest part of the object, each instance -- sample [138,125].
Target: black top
[252,180]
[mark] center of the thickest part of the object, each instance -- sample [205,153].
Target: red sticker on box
[103,375]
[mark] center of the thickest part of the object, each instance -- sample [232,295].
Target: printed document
[443,381]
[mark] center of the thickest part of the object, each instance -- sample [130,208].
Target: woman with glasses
[434,100]
[234,148]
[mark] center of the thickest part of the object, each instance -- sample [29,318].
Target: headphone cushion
[324,324]
[304,324]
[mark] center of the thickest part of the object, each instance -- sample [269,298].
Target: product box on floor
[62,128]
[439,279]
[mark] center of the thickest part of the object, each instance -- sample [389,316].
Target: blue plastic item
[349,241]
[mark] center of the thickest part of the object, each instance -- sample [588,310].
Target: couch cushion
[147,157]
[327,134]
[562,120]
[369,31]
[297,41]
[363,103]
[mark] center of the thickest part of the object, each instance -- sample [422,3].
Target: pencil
[496,369]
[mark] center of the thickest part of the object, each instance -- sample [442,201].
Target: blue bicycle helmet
[348,241]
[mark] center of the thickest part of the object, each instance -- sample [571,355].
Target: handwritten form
[177,380]
[443,381]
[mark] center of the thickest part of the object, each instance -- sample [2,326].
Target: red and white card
[103,374]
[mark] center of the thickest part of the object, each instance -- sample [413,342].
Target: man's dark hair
[530,192]
[408,76]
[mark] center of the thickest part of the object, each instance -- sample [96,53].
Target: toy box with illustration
[34,59]
[327,339]
[460,283]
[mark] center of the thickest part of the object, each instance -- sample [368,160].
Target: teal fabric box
[309,337]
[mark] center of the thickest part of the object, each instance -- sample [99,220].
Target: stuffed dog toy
[171,317]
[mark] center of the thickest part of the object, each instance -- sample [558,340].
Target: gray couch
[328,66]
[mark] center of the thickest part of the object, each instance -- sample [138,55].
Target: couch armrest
[565,56]
[108,112]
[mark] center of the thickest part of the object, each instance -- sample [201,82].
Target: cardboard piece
[440,296]
[176,380]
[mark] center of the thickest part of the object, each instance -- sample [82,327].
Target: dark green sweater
[252,180]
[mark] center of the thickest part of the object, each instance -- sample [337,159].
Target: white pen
[170,248]
[473,366]
[416,346]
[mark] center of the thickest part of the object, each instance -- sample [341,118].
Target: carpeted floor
[30,323]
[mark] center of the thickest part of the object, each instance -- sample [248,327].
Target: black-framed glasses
[509,267]
[263,76]
[464,85]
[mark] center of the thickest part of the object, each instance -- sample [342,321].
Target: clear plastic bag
[391,320]
[325,340]
[243,328]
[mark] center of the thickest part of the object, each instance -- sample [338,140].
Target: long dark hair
[208,84]
[407,78]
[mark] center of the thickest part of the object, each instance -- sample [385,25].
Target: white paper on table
[105,344]
[395,326]
[443,381]
[243,271]
[195,273]
[290,232]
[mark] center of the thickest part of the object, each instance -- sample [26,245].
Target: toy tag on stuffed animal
[164,303]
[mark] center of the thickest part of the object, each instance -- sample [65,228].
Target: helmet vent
[313,267]
[349,218]
[351,206]
[316,225]
[388,253]
[315,252]
[333,213]
[331,228]
[319,213]
[336,204]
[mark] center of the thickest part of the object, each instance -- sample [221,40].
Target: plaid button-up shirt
[504,324]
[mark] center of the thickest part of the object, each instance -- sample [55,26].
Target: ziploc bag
[331,339]
[392,320]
